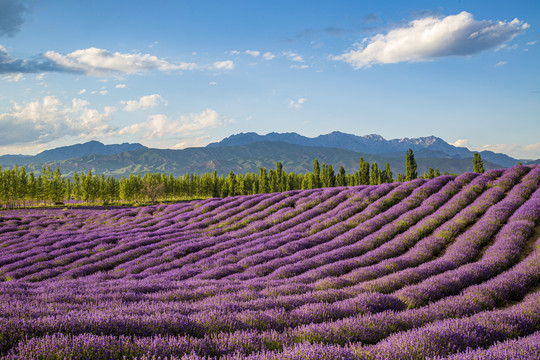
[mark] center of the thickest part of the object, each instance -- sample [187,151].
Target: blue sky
[175,74]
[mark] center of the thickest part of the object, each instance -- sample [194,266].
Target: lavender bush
[447,268]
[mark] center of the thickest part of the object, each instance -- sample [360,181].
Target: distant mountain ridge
[247,152]
[430,147]
[244,159]
[68,152]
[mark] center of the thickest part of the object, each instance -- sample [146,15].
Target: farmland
[432,268]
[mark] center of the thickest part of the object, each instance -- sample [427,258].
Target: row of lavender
[366,271]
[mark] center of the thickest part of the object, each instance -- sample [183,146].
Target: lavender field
[447,268]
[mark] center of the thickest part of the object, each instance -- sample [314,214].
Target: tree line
[19,188]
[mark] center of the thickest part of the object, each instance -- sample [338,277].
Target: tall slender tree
[363,173]
[478,164]
[375,177]
[341,178]
[316,174]
[410,166]
[263,181]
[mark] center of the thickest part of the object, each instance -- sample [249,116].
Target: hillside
[445,268]
[69,152]
[244,159]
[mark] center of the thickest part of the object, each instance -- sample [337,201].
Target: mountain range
[429,147]
[247,152]
[67,152]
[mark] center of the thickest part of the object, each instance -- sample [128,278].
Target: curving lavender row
[440,268]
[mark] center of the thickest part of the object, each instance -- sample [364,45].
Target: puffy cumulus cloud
[293,56]
[100,62]
[433,37]
[253,53]
[91,61]
[43,121]
[120,86]
[144,102]
[298,104]
[461,143]
[12,16]
[199,121]
[268,56]
[224,65]
[160,127]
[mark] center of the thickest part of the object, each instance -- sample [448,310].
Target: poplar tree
[363,173]
[410,166]
[281,177]
[273,181]
[341,179]
[331,176]
[263,181]
[375,177]
[478,164]
[316,175]
[387,174]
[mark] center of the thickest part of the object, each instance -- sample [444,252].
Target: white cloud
[461,143]
[131,129]
[40,122]
[430,38]
[213,83]
[109,109]
[192,142]
[83,91]
[101,62]
[519,151]
[120,86]
[204,120]
[13,78]
[298,104]
[144,102]
[233,52]
[268,56]
[104,92]
[293,56]
[302,67]
[160,126]
[253,53]
[40,77]
[530,43]
[25,149]
[501,63]
[224,65]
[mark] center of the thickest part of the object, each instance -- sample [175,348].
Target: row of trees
[19,188]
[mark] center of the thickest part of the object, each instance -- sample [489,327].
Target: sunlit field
[441,268]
